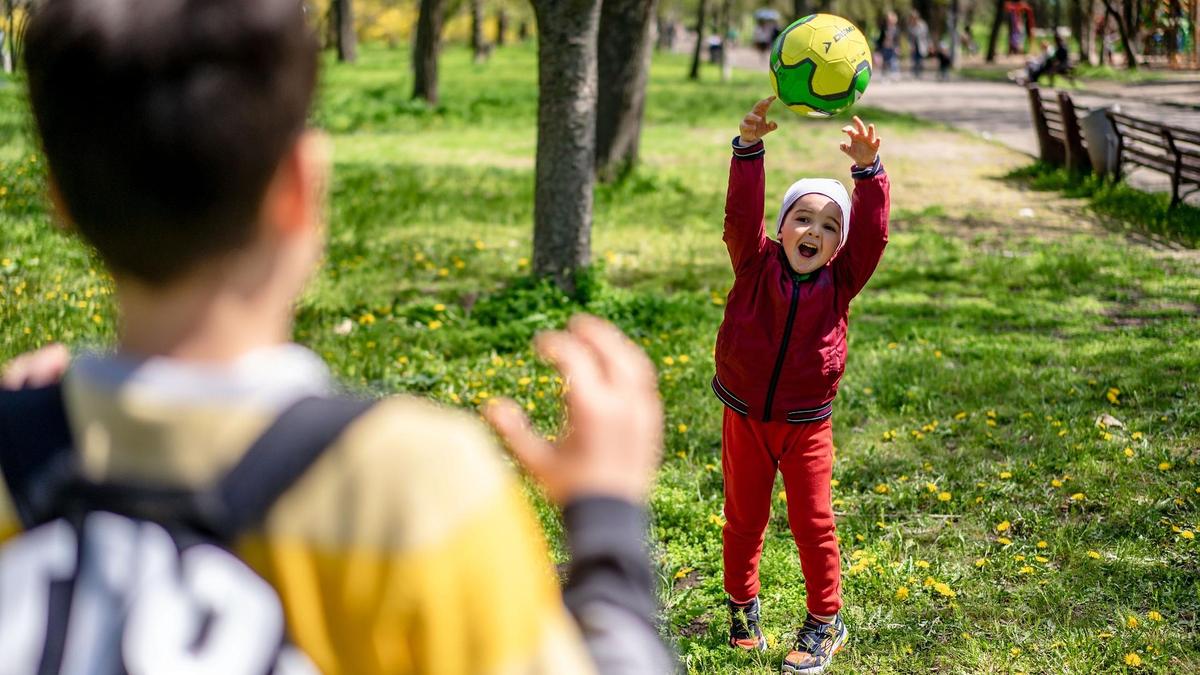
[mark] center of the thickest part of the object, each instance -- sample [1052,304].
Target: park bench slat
[1159,147]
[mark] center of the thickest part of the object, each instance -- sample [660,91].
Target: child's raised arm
[869,209]
[744,231]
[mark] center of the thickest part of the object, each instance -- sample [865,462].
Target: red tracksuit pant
[751,452]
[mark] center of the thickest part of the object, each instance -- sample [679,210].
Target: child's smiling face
[811,232]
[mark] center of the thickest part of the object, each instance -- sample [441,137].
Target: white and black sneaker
[744,632]
[816,643]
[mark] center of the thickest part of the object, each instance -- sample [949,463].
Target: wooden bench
[1056,121]
[1159,147]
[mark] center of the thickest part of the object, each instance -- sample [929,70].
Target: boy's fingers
[871,132]
[845,148]
[850,131]
[532,451]
[571,358]
[858,124]
[771,126]
[762,106]
[622,361]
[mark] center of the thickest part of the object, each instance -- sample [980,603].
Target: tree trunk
[501,26]
[701,15]
[624,52]
[567,77]
[997,21]
[1126,33]
[1075,17]
[801,9]
[426,46]
[347,40]
[478,44]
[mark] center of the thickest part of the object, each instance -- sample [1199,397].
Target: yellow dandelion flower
[716,520]
[683,572]
[1041,559]
[892,345]
[991,414]
[882,489]
[1056,483]
[1137,436]
[991,423]
[835,482]
[1042,544]
[1187,534]
[434,325]
[1015,651]
[531,406]
[1129,452]
[1133,660]
[443,272]
[1164,466]
[684,358]
[923,564]
[937,354]
[783,496]
[1003,541]
[1027,570]
[944,590]
[439,307]
[682,428]
[1003,526]
[1095,555]
[980,562]
[1104,635]
[960,416]
[525,381]
[668,360]
[1078,497]
[1131,621]
[945,496]
[902,593]
[479,245]
[523,262]
[1154,616]
[1006,475]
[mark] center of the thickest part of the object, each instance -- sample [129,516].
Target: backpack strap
[241,500]
[35,437]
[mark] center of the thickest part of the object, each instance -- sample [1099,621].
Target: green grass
[1124,207]
[980,359]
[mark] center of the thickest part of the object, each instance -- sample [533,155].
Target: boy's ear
[296,196]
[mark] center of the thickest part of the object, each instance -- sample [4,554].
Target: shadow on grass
[1125,209]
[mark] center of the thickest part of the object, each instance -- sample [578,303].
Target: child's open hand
[863,147]
[755,125]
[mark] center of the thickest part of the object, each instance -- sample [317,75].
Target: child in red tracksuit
[780,353]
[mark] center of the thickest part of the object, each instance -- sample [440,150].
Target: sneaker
[744,632]
[816,643]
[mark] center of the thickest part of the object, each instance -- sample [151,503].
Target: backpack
[116,579]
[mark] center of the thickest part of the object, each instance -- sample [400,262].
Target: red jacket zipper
[787,337]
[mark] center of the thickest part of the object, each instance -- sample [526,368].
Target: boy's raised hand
[755,125]
[863,146]
[612,441]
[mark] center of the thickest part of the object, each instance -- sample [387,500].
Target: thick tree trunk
[624,51]
[501,26]
[567,77]
[1083,22]
[426,46]
[1126,32]
[998,20]
[478,43]
[347,40]
[701,15]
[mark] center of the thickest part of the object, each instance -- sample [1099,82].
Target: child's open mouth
[807,250]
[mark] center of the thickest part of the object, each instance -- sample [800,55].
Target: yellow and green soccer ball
[820,65]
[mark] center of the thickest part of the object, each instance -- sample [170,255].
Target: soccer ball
[820,65]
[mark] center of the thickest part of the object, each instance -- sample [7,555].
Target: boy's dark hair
[163,121]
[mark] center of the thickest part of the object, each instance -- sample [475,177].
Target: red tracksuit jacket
[781,349]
